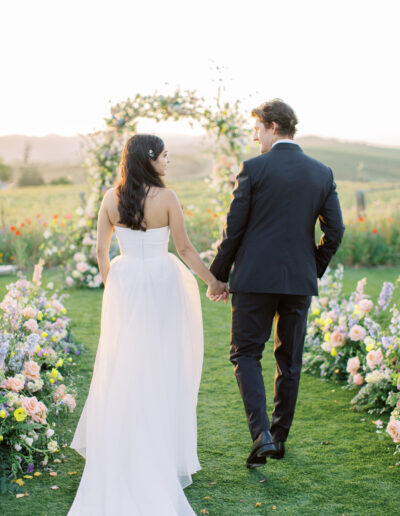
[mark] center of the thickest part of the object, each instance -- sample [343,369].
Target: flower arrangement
[349,339]
[35,359]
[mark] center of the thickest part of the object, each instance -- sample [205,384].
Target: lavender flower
[385,297]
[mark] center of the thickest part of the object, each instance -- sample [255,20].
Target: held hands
[218,291]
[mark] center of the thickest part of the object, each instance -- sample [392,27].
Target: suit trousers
[252,319]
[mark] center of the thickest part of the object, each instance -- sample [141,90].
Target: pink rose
[337,338]
[82,266]
[35,409]
[31,370]
[58,307]
[14,384]
[32,325]
[324,301]
[365,305]
[70,401]
[353,365]
[69,281]
[393,429]
[374,358]
[29,312]
[358,379]
[50,352]
[357,332]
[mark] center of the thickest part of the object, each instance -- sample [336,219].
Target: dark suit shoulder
[256,162]
[318,164]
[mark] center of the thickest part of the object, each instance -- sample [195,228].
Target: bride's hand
[217,291]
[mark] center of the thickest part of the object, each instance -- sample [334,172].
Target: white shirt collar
[284,141]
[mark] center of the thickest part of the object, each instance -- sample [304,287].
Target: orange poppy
[18,233]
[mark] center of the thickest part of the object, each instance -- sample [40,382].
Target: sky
[336,63]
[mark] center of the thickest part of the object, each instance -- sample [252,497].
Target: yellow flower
[2,414]
[48,305]
[12,353]
[316,311]
[70,360]
[28,476]
[1,438]
[52,380]
[38,348]
[63,311]
[37,474]
[20,482]
[54,338]
[370,347]
[327,336]
[54,373]
[39,316]
[333,352]
[53,318]
[20,414]
[44,334]
[328,321]
[337,370]
[59,362]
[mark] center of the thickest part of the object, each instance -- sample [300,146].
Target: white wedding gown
[137,430]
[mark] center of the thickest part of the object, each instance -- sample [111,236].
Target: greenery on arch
[224,121]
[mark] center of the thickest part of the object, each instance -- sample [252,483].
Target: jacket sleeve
[331,224]
[235,226]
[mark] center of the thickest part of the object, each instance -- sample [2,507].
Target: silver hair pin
[151,153]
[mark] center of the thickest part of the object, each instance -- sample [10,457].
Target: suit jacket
[270,230]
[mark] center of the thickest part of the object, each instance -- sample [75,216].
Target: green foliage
[30,176]
[5,172]
[63,180]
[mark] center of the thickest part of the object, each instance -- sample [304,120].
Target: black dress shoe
[280,450]
[262,448]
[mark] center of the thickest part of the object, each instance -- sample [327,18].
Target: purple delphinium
[385,296]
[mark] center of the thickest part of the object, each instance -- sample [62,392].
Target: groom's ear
[275,127]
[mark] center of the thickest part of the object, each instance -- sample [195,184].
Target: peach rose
[365,305]
[35,409]
[337,339]
[60,393]
[324,301]
[357,332]
[14,384]
[393,429]
[31,370]
[32,325]
[82,266]
[358,379]
[374,358]
[353,365]
[29,312]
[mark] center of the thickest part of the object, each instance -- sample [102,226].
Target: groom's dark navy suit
[269,237]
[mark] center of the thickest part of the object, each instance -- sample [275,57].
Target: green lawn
[335,462]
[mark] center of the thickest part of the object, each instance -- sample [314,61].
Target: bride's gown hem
[137,430]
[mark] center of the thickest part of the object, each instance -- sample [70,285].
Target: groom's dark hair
[277,111]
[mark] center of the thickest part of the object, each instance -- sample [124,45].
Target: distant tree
[30,176]
[63,180]
[5,172]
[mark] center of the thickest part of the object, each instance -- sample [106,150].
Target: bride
[137,430]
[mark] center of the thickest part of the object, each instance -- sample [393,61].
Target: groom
[269,237]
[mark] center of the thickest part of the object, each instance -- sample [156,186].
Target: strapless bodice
[143,245]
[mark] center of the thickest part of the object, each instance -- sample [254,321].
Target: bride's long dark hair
[137,176]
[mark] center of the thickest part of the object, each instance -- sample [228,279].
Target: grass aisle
[335,464]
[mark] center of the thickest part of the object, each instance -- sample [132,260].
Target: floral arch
[225,123]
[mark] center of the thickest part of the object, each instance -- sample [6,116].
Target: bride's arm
[104,234]
[185,248]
